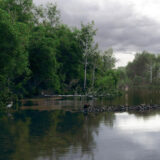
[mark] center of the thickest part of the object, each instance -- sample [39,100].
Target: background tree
[43,63]
[141,69]
[39,54]
[47,15]
[87,41]
[19,10]
[70,57]
[13,54]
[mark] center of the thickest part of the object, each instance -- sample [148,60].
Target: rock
[119,108]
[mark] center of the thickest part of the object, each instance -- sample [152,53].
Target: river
[56,133]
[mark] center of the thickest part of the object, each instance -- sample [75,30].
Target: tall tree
[140,71]
[87,40]
[13,53]
[19,10]
[48,15]
[43,63]
[70,57]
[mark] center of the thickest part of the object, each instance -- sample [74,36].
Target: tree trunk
[151,74]
[93,76]
[85,73]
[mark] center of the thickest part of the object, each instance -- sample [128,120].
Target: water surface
[132,97]
[60,135]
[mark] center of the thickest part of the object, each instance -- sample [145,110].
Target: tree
[95,57]
[43,63]
[141,69]
[19,10]
[107,84]
[108,60]
[13,54]
[87,41]
[48,15]
[70,57]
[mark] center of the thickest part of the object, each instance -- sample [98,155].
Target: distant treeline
[40,55]
[144,71]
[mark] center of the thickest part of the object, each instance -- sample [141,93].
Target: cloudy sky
[128,26]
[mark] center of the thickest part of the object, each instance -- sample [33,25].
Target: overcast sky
[128,26]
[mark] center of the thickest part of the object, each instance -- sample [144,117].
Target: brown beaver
[86,106]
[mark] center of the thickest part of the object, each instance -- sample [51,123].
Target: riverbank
[120,108]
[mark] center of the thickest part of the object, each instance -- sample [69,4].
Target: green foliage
[39,55]
[123,78]
[144,70]
[70,58]
[48,15]
[19,10]
[13,55]
[43,63]
[108,60]
[87,37]
[107,84]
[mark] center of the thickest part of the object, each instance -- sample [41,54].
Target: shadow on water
[56,135]
[29,135]
[137,97]
[131,97]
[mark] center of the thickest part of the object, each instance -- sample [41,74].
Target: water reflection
[60,135]
[31,134]
[130,122]
[131,97]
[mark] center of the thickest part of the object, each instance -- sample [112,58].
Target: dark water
[132,97]
[60,135]
[50,132]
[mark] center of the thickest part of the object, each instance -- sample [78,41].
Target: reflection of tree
[143,96]
[31,134]
[13,138]
[109,118]
[146,114]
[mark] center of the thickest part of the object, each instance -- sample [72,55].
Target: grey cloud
[119,26]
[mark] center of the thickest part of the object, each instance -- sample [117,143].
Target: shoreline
[120,108]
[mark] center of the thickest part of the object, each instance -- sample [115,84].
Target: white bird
[10,105]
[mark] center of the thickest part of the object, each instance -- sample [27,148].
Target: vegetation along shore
[39,55]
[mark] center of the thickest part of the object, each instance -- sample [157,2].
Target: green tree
[107,84]
[70,57]
[43,63]
[48,15]
[19,10]
[108,60]
[13,54]
[87,40]
[140,71]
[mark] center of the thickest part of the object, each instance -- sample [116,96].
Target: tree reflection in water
[32,135]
